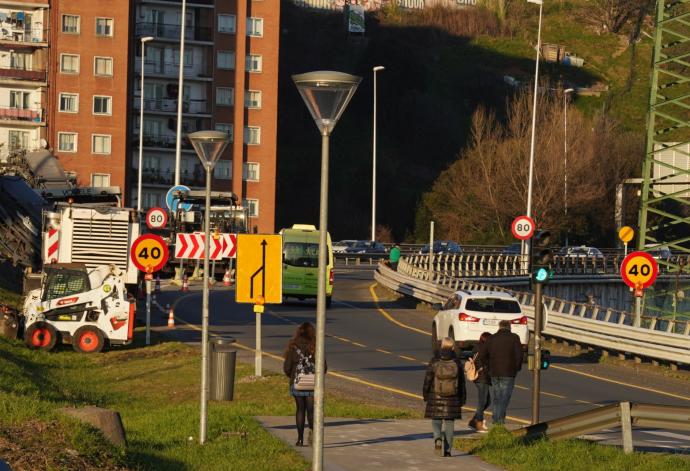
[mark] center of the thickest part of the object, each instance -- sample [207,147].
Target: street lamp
[326,95]
[143,40]
[373,177]
[180,95]
[208,146]
[565,159]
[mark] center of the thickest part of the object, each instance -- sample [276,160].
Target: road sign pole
[637,321]
[257,350]
[204,313]
[148,312]
[626,248]
[538,319]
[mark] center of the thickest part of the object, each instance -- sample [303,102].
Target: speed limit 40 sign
[639,270]
[522,227]
[156,218]
[149,253]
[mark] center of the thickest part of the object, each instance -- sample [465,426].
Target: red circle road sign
[156,218]
[149,253]
[639,270]
[522,227]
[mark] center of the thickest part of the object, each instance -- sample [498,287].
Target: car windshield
[508,306]
[301,254]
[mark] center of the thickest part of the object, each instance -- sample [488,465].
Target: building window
[102,105]
[227,23]
[69,102]
[70,24]
[104,26]
[252,98]
[252,135]
[103,66]
[188,57]
[69,63]
[255,27]
[100,180]
[19,99]
[250,172]
[226,128]
[17,140]
[254,63]
[253,206]
[100,143]
[225,96]
[226,60]
[223,170]
[67,141]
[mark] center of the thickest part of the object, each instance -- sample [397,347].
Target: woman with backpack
[444,394]
[479,374]
[300,367]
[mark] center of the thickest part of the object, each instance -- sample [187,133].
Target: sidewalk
[364,444]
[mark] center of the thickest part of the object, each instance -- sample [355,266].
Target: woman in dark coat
[444,394]
[483,383]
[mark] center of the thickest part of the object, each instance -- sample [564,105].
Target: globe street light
[373,177]
[143,40]
[326,94]
[208,146]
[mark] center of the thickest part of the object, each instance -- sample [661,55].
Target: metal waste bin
[223,359]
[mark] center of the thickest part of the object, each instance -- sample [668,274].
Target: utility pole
[536,371]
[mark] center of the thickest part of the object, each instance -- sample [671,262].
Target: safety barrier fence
[582,323]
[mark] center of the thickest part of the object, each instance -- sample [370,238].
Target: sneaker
[438,447]
[481,428]
[472,424]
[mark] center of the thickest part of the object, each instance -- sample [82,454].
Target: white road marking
[660,433]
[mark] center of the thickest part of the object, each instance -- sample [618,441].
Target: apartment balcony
[32,37]
[163,141]
[169,105]
[199,71]
[172,31]
[166,178]
[190,3]
[21,116]
[22,73]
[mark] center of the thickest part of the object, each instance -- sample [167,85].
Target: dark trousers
[501,390]
[483,400]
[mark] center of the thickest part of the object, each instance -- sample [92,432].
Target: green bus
[301,262]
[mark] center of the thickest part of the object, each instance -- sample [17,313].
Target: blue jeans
[483,400]
[501,390]
[448,432]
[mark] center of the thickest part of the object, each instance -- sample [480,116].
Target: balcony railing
[190,3]
[172,69]
[167,177]
[22,73]
[19,114]
[36,35]
[170,105]
[162,140]
[172,31]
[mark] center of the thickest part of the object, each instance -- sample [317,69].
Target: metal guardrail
[583,323]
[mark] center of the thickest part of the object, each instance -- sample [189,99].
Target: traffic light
[541,257]
[545,360]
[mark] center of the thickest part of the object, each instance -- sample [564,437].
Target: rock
[106,420]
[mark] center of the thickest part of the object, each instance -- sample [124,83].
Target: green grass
[499,447]
[10,297]
[156,391]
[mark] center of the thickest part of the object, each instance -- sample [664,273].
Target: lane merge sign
[149,253]
[259,277]
[639,270]
[156,218]
[522,227]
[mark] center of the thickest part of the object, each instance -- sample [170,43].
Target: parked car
[339,247]
[466,314]
[366,247]
[580,252]
[442,247]
[660,252]
[513,249]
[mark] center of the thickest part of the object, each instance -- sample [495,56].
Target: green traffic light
[542,274]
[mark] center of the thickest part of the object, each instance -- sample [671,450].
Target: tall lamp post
[180,95]
[566,92]
[326,94]
[208,146]
[373,178]
[143,40]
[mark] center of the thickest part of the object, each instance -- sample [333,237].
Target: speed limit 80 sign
[156,218]
[149,253]
[639,270]
[522,227]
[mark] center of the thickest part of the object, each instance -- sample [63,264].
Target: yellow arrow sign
[259,269]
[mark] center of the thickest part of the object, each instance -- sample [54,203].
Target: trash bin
[223,358]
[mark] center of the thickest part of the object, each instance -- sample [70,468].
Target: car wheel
[88,339]
[41,336]
[434,339]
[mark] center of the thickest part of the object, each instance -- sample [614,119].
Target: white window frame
[259,61]
[110,107]
[62,23]
[76,140]
[247,99]
[246,201]
[233,61]
[95,69]
[230,128]
[112,27]
[76,102]
[63,71]
[255,27]
[245,171]
[247,133]
[93,144]
[227,171]
[232,19]
[100,175]
[232,96]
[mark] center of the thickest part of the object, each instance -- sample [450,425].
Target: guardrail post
[626,428]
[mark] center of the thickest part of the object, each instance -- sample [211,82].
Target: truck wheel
[41,336]
[88,339]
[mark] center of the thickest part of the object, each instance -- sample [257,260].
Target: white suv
[466,314]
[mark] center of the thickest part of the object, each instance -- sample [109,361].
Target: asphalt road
[387,344]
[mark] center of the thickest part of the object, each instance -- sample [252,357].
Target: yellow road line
[381,350]
[356,344]
[405,357]
[390,318]
[553,395]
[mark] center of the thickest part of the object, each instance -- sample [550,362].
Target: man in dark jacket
[444,394]
[503,356]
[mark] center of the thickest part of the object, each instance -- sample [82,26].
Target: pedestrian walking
[480,372]
[503,356]
[300,367]
[444,394]
[394,256]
